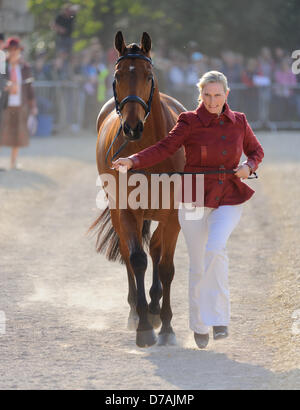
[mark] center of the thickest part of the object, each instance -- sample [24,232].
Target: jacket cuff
[135,160]
[250,164]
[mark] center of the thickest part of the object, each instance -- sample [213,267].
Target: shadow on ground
[13,179]
[188,368]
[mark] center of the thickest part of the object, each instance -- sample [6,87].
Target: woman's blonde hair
[212,77]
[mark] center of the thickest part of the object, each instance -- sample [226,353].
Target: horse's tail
[108,241]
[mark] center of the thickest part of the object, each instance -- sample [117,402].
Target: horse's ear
[120,43]
[146,43]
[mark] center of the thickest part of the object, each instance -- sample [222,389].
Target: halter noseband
[134,98]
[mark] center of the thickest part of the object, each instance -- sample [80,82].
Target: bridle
[130,98]
[134,98]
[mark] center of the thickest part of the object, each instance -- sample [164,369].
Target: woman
[20,101]
[214,138]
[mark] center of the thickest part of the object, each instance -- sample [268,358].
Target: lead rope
[119,150]
[225,171]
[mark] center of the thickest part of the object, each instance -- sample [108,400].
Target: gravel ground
[66,308]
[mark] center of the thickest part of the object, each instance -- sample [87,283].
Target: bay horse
[146,116]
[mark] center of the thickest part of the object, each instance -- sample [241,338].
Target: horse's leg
[131,233]
[156,288]
[133,318]
[166,274]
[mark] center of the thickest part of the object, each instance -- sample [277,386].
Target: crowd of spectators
[263,86]
[249,78]
[267,78]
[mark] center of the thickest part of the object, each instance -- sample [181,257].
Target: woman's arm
[252,148]
[161,150]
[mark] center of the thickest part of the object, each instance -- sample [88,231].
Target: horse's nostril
[140,127]
[127,128]
[133,133]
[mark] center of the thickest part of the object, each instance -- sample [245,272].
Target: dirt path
[66,306]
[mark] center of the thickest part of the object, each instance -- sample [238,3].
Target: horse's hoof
[167,339]
[154,320]
[133,322]
[145,338]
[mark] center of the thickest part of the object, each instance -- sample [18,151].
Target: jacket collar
[206,117]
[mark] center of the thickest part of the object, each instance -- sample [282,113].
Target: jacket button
[223,137]
[220,182]
[224,152]
[217,198]
[221,122]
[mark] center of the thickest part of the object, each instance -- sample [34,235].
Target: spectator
[112,55]
[21,101]
[215,64]
[284,98]
[279,56]
[2,41]
[60,68]
[63,26]
[284,79]
[248,78]
[266,67]
[230,67]
[103,73]
[176,78]
[90,74]
[41,70]
[232,71]
[195,70]
[176,75]
[266,63]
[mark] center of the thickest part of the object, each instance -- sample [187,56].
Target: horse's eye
[150,77]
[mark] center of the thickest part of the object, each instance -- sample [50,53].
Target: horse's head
[133,84]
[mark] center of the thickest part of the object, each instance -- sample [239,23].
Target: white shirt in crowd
[15,100]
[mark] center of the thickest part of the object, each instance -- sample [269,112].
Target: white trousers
[206,232]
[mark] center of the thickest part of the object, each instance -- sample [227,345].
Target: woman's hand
[242,171]
[11,87]
[122,162]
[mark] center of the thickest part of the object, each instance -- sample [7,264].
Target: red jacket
[210,142]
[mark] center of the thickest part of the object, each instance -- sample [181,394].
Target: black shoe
[220,332]
[201,340]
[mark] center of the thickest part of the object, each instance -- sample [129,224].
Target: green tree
[232,24]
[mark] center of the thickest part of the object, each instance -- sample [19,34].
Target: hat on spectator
[13,42]
[2,37]
[197,56]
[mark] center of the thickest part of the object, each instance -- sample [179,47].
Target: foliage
[239,25]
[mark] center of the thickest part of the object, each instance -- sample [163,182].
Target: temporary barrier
[63,104]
